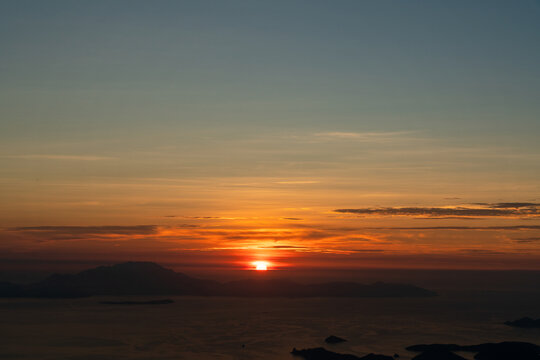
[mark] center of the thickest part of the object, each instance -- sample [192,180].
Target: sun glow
[260,265]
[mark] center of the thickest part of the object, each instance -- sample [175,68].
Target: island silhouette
[507,350]
[151,279]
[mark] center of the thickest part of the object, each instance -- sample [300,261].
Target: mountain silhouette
[130,278]
[525,322]
[148,278]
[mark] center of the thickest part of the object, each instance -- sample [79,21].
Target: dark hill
[8,289]
[147,278]
[131,278]
[525,322]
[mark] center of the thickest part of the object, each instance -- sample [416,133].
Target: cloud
[89,230]
[355,229]
[297,182]
[447,218]
[284,247]
[509,227]
[58,157]
[526,240]
[292,237]
[368,250]
[188,226]
[481,252]
[42,234]
[209,217]
[513,205]
[363,136]
[358,238]
[485,210]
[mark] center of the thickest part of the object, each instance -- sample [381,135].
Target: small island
[334,340]
[507,350]
[323,354]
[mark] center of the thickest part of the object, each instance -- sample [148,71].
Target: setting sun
[260,265]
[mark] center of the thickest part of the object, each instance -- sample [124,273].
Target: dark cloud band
[488,210]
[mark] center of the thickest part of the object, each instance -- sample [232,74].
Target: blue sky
[448,67]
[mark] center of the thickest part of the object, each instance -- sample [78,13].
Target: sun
[260,265]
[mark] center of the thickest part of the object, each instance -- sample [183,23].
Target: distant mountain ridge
[148,278]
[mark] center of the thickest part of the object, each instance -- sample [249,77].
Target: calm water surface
[216,328]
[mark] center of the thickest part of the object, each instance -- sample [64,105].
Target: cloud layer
[511,209]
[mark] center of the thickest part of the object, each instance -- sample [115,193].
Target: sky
[309,134]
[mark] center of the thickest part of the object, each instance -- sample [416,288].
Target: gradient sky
[307,133]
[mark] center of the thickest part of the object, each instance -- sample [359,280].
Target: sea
[257,328]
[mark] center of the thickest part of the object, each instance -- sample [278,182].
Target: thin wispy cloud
[58,157]
[284,247]
[89,230]
[527,240]
[481,252]
[210,217]
[509,227]
[43,234]
[363,136]
[297,182]
[511,205]
[286,239]
[273,241]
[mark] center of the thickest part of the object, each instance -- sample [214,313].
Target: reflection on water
[216,328]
